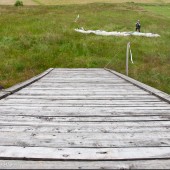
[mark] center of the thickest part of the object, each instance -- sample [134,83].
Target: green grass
[33,39]
[162,10]
[66,2]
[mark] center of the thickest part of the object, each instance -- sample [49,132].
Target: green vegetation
[64,2]
[18,3]
[159,9]
[33,39]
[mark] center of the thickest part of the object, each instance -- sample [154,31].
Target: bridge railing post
[127,58]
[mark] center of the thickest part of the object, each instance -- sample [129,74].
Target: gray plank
[82,111]
[40,126]
[118,97]
[42,153]
[84,114]
[85,102]
[45,118]
[133,164]
[85,140]
[81,88]
[92,124]
[133,106]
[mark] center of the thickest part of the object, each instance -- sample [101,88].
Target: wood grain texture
[47,153]
[88,118]
[132,164]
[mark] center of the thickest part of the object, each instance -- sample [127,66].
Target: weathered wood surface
[133,164]
[90,118]
[49,153]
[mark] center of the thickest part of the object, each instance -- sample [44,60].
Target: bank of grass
[162,10]
[32,39]
[66,2]
[12,2]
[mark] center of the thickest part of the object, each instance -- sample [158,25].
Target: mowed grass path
[32,39]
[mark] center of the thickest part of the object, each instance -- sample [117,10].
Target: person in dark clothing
[138,26]
[1,87]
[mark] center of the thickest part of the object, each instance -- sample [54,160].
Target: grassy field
[12,2]
[63,2]
[66,2]
[159,10]
[32,39]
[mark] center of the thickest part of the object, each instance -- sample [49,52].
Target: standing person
[138,26]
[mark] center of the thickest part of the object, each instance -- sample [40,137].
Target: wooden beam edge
[24,84]
[151,90]
[3,94]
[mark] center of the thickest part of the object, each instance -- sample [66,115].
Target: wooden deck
[84,118]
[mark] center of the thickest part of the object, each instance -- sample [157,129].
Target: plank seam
[65,159]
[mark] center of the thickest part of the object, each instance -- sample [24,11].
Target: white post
[127,58]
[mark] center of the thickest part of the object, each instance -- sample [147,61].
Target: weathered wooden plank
[133,164]
[82,111]
[53,113]
[79,70]
[84,81]
[122,96]
[84,102]
[88,78]
[90,125]
[114,106]
[83,84]
[57,128]
[81,88]
[37,119]
[80,77]
[117,98]
[56,140]
[67,75]
[127,116]
[88,91]
[79,92]
[42,153]
[92,78]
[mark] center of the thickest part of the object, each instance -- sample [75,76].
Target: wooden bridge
[84,118]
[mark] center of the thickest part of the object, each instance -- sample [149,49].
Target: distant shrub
[18,3]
